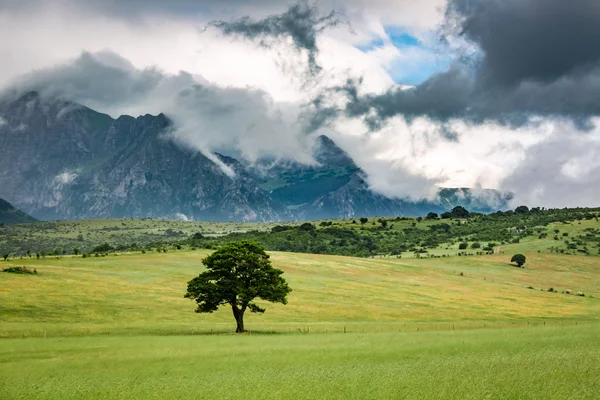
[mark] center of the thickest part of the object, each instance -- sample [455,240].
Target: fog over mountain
[481,94]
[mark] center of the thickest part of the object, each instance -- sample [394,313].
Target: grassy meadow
[518,363]
[134,293]
[116,326]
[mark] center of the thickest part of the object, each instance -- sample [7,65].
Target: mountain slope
[11,215]
[65,161]
[336,188]
[62,160]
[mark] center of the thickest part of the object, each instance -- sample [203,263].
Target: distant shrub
[518,259]
[463,246]
[308,227]
[103,248]
[280,228]
[20,270]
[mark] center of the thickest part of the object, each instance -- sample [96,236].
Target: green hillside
[143,293]
[11,215]
[117,326]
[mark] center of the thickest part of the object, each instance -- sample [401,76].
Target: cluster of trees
[469,230]
[361,237]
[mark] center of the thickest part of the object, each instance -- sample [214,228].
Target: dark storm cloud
[539,40]
[302,23]
[535,58]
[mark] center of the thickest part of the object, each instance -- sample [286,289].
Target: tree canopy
[432,215]
[237,274]
[519,259]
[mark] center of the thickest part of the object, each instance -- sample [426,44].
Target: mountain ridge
[67,161]
[12,215]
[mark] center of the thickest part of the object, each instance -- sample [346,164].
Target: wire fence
[76,330]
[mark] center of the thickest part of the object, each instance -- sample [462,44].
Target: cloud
[301,23]
[206,117]
[518,71]
[561,171]
[533,58]
[529,40]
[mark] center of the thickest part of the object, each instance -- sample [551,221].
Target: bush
[103,248]
[519,259]
[307,227]
[19,270]
[463,246]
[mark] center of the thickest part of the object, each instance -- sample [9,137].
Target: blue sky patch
[402,39]
[410,72]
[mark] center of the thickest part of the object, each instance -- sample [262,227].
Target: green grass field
[118,327]
[529,363]
[143,293]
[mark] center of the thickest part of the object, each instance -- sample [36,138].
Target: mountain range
[62,160]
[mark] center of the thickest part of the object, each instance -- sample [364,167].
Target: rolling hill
[11,215]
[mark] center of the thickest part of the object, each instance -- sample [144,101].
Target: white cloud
[234,94]
[563,170]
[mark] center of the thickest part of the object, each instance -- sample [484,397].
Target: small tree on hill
[522,210]
[364,220]
[431,216]
[75,251]
[460,212]
[518,259]
[236,275]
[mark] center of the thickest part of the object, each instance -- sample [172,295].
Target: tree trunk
[239,318]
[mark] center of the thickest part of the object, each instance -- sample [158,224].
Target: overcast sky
[501,94]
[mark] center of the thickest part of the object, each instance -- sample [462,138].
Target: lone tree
[431,216]
[237,274]
[519,259]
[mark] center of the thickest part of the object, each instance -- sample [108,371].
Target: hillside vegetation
[11,215]
[143,293]
[113,322]
[457,233]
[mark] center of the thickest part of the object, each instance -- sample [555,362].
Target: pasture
[136,293]
[118,327]
[518,363]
